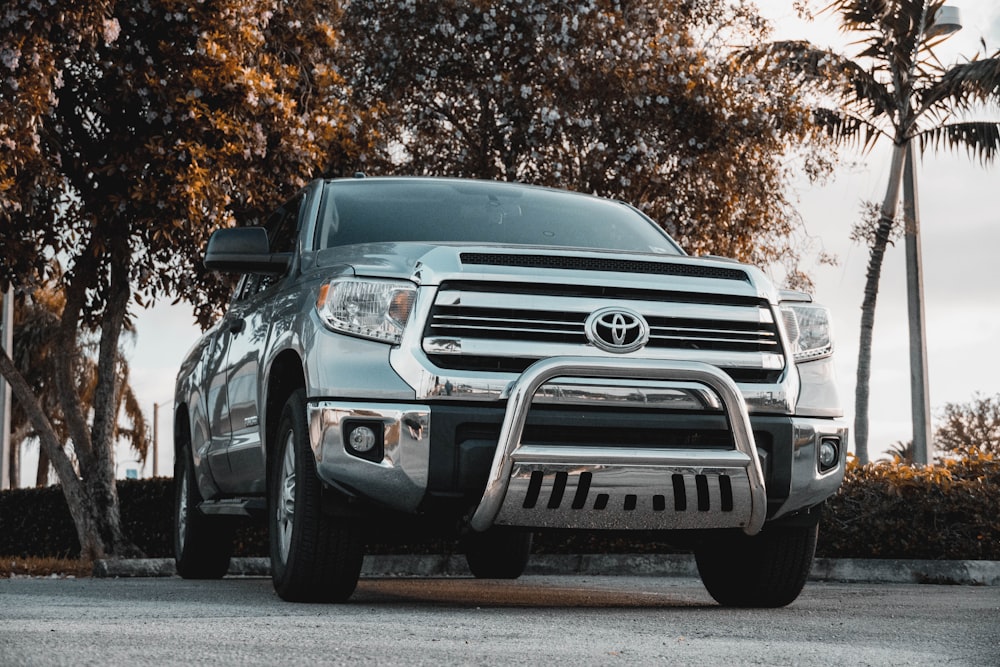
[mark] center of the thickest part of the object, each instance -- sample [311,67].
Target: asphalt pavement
[575,620]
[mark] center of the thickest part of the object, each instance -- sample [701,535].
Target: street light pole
[946,21]
[156,439]
[919,384]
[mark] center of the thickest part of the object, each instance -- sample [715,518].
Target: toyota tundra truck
[483,361]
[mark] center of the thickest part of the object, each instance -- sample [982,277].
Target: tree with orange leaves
[643,101]
[130,131]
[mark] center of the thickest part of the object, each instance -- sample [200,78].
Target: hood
[431,264]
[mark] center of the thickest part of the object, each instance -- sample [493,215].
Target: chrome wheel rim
[285,510]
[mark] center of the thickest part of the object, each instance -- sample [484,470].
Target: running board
[250,507]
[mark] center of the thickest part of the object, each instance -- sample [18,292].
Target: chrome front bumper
[399,480]
[566,486]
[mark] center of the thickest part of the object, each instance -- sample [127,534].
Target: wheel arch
[284,377]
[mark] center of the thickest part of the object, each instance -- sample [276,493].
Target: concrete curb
[844,570]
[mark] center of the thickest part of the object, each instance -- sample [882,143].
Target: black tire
[314,557]
[498,553]
[202,544]
[767,570]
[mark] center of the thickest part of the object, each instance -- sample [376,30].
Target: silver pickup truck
[480,361]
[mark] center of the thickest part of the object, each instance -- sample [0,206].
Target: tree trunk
[99,473]
[862,391]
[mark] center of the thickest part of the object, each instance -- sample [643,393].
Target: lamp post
[156,439]
[919,383]
[947,21]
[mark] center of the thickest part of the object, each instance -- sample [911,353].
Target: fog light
[829,454]
[362,439]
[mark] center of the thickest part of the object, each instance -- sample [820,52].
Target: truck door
[249,334]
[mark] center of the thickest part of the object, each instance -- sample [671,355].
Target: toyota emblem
[617,330]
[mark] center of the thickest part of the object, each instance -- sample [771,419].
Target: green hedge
[884,510]
[36,522]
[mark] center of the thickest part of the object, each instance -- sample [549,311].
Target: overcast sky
[960,225]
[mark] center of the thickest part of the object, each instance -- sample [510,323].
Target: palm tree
[901,452]
[894,89]
[36,321]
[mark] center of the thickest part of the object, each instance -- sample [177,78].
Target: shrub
[950,510]
[36,522]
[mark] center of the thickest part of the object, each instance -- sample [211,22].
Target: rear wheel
[498,553]
[314,557]
[766,570]
[202,545]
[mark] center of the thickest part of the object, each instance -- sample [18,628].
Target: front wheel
[314,557]
[766,570]
[498,553]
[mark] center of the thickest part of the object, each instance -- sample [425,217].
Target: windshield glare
[452,211]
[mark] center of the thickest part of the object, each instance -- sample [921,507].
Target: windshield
[456,211]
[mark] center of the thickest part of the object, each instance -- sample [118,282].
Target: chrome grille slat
[460,320]
[717,339]
[757,334]
[498,347]
[496,327]
[447,324]
[464,300]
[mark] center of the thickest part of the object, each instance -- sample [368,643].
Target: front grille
[504,327]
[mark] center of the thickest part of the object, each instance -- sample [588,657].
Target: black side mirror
[244,250]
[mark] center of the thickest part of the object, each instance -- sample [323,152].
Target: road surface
[538,620]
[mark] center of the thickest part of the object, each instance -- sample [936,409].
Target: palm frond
[847,128]
[128,403]
[893,35]
[858,15]
[965,85]
[825,70]
[893,25]
[981,140]
[901,453]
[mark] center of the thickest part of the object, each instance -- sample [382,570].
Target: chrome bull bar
[611,487]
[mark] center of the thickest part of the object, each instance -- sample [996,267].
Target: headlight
[375,309]
[809,330]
